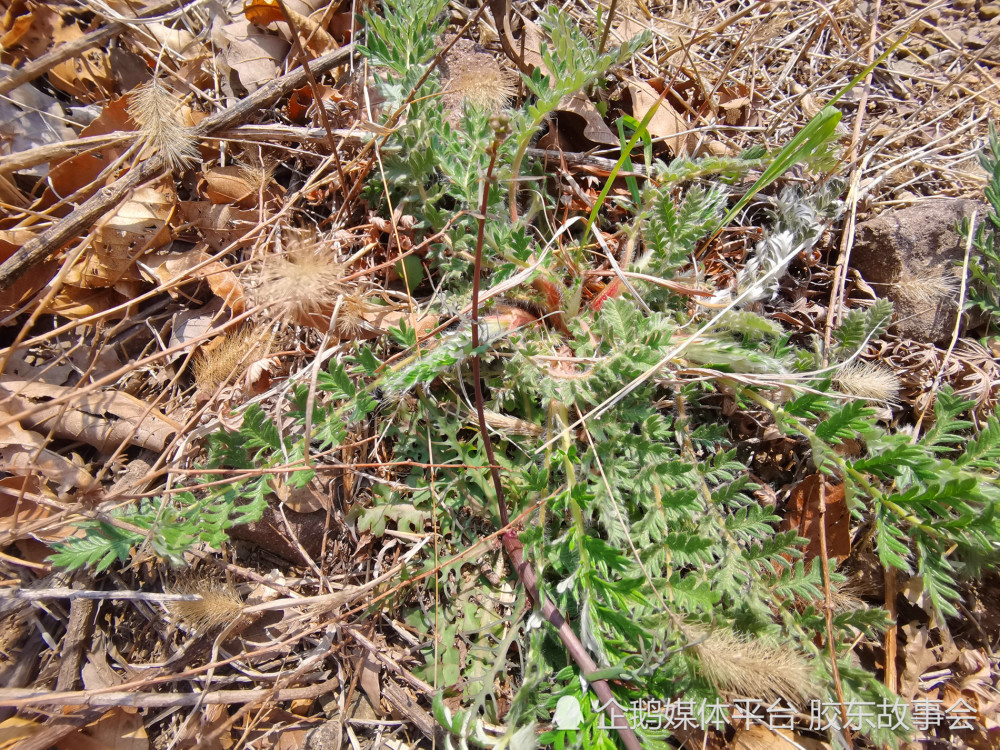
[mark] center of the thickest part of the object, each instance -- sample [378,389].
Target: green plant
[984,268]
[638,516]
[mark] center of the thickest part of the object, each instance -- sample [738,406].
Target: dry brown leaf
[75,302]
[97,674]
[81,170]
[17,510]
[290,739]
[87,76]
[172,265]
[212,717]
[595,130]
[104,419]
[29,119]
[220,225]
[919,658]
[254,55]
[533,38]
[299,499]
[119,729]
[264,12]
[370,682]
[229,184]
[631,19]
[31,282]
[191,325]
[381,322]
[23,452]
[37,39]
[181,41]
[665,123]
[15,25]
[802,515]
[140,222]
[15,729]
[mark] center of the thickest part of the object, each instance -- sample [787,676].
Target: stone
[271,534]
[327,736]
[989,11]
[912,256]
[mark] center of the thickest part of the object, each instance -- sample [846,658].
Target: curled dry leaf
[105,419]
[299,499]
[23,453]
[265,12]
[173,266]
[595,130]
[58,362]
[137,226]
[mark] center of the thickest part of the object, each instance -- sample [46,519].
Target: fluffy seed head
[751,667]
[868,380]
[925,289]
[258,169]
[302,284]
[161,131]
[487,87]
[228,356]
[219,605]
[476,78]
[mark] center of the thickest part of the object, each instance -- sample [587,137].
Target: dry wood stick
[32,697]
[56,236]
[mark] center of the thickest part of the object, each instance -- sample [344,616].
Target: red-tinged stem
[613,289]
[512,545]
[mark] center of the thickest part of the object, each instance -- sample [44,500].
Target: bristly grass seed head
[228,356]
[868,380]
[161,131]
[751,667]
[927,289]
[219,605]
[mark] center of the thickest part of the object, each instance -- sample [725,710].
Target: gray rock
[327,736]
[912,256]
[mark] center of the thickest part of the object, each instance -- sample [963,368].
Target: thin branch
[511,543]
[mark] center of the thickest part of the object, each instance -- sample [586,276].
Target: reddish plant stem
[511,543]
